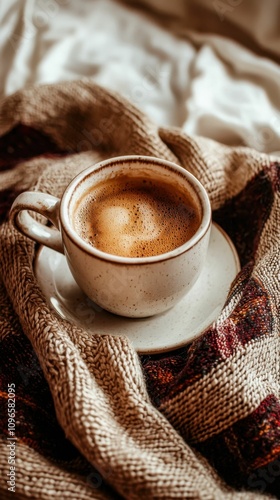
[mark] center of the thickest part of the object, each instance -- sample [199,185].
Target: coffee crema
[136,216]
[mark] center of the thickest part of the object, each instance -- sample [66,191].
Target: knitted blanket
[84,416]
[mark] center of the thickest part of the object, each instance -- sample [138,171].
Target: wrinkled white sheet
[206,83]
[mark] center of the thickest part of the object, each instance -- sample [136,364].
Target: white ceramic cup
[127,286]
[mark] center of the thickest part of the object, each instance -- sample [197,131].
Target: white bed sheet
[203,82]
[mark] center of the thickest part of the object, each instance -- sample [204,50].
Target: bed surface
[94,418]
[210,68]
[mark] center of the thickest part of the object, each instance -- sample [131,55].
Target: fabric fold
[120,440]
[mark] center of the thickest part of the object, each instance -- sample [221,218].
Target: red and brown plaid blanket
[93,419]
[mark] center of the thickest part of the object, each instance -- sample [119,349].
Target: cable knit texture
[93,418]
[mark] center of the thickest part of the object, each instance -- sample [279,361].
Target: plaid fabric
[94,419]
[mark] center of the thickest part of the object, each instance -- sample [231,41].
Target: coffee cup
[134,230]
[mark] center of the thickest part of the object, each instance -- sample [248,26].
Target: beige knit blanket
[93,419]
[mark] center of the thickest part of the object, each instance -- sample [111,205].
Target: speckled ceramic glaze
[134,287]
[172,329]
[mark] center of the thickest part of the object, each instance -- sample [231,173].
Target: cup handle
[44,204]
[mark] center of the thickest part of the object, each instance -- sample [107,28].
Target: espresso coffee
[136,217]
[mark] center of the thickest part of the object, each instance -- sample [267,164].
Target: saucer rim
[149,350]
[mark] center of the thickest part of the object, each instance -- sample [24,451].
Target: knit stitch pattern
[94,419]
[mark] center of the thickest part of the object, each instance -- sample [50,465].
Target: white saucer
[167,331]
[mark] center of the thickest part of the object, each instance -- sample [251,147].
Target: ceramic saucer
[167,331]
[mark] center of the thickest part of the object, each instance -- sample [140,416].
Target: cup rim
[118,259]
